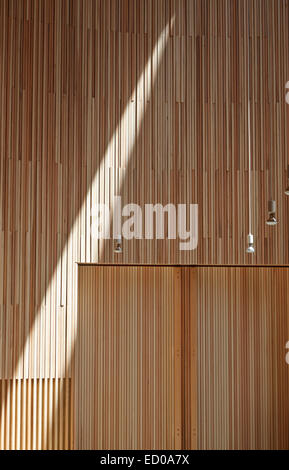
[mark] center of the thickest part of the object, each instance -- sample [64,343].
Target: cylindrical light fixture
[271,213]
[287,189]
[250,240]
[118,245]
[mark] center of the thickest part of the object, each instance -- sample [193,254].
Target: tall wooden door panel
[243,378]
[129,377]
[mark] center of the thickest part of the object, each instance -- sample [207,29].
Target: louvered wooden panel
[243,377]
[36,414]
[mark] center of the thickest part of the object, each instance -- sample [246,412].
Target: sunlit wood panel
[36,414]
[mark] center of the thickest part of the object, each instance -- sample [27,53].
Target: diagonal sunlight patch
[131,114]
[74,249]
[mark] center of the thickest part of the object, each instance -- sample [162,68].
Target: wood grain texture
[243,379]
[142,98]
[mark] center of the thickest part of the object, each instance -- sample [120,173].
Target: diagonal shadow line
[131,161]
[76,183]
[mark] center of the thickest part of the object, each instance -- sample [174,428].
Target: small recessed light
[272,220]
[118,245]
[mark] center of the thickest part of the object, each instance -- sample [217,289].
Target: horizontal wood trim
[119,265]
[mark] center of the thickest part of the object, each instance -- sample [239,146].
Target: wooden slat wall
[242,374]
[142,98]
[127,358]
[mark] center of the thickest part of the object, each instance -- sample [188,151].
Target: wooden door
[130,381]
[243,377]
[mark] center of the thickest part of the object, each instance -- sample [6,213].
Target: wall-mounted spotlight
[287,189]
[118,245]
[250,240]
[272,213]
